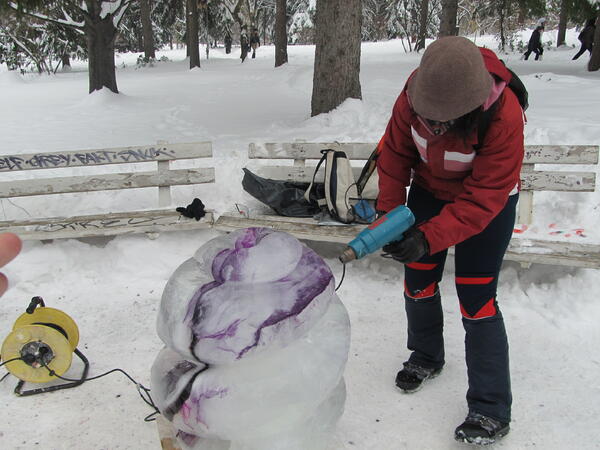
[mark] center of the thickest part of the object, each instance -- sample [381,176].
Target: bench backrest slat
[534,181]
[121,155]
[112,181]
[534,154]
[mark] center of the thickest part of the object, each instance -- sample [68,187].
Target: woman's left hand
[410,249]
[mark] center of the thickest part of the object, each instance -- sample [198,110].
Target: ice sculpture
[256,345]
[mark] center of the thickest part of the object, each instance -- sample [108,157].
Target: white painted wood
[151,221]
[558,181]
[308,150]
[164,192]
[535,181]
[538,154]
[94,157]
[21,188]
[561,154]
[525,207]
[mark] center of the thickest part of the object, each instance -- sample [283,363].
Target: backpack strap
[320,201]
[484,124]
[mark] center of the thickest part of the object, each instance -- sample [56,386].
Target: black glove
[194,210]
[410,249]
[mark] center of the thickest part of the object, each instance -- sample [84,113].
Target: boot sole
[420,386]
[482,440]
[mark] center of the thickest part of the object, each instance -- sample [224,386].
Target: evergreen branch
[62,22]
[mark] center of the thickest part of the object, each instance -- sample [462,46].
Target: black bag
[286,198]
[516,85]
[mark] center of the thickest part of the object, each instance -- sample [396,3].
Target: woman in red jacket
[463,193]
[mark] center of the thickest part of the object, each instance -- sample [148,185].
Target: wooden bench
[524,250]
[106,223]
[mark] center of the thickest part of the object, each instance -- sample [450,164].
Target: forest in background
[45,35]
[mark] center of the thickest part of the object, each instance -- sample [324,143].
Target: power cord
[139,386]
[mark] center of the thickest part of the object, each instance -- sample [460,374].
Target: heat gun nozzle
[347,255]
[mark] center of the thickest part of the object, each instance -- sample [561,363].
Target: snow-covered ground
[113,289]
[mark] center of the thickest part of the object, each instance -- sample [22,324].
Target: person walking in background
[245,47]
[462,197]
[228,42]
[254,41]
[586,37]
[535,43]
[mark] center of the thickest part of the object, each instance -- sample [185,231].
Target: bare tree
[422,25]
[145,10]
[448,19]
[337,54]
[192,36]
[281,56]
[594,63]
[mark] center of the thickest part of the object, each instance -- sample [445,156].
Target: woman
[463,193]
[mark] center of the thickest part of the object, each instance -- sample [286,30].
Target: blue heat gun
[386,229]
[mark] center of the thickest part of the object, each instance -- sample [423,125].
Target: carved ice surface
[256,345]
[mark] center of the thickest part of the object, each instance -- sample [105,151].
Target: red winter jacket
[477,183]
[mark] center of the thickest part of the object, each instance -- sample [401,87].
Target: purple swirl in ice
[263,280]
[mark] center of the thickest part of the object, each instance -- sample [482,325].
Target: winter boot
[480,430]
[411,378]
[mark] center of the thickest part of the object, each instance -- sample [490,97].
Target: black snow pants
[477,266]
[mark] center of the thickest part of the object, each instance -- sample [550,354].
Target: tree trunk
[501,16]
[65,60]
[448,20]
[337,54]
[562,22]
[147,30]
[192,38]
[594,63]
[422,25]
[101,34]
[281,56]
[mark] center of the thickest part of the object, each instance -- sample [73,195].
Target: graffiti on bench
[83,158]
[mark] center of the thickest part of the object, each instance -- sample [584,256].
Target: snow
[113,289]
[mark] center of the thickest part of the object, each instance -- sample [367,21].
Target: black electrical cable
[10,360]
[139,386]
[343,275]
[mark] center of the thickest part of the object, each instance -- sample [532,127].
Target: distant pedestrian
[586,37]
[245,47]
[254,42]
[535,43]
[228,42]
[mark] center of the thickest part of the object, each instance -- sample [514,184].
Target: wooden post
[164,192]
[525,210]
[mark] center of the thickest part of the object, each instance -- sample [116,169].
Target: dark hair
[466,125]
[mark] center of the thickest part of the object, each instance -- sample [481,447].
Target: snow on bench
[291,159]
[106,223]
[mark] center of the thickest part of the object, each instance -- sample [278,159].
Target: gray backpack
[340,191]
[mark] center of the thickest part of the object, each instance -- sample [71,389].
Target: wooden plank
[534,154]
[303,228]
[558,181]
[105,182]
[149,221]
[561,154]
[308,150]
[534,181]
[94,157]
[522,250]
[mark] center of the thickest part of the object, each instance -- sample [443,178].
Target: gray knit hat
[451,81]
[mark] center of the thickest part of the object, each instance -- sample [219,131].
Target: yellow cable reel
[47,336]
